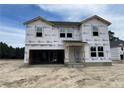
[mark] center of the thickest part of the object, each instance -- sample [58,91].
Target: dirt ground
[13,73]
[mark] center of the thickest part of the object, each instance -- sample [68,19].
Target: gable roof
[97,17]
[65,22]
[116,43]
[37,18]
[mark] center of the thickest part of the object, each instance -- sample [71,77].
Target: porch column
[66,54]
[82,54]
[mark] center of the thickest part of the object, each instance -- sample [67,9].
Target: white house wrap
[70,43]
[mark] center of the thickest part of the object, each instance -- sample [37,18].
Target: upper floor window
[62,35]
[39,34]
[95,30]
[39,31]
[65,32]
[69,35]
[95,33]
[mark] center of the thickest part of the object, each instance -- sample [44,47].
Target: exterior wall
[101,40]
[49,40]
[121,52]
[116,52]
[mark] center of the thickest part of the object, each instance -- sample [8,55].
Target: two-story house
[69,43]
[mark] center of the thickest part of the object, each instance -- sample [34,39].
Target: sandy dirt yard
[13,73]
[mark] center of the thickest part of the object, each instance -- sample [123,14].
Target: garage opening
[46,57]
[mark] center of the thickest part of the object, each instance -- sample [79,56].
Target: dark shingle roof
[65,23]
[116,43]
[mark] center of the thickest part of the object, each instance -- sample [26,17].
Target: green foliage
[8,52]
[112,37]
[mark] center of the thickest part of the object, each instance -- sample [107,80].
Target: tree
[112,37]
[0,50]
[8,52]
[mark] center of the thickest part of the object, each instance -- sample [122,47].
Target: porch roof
[73,43]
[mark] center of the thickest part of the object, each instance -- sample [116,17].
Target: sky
[12,17]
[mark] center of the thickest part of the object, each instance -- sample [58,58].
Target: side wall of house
[121,51]
[101,40]
[116,52]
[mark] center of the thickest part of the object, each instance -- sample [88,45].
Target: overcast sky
[12,30]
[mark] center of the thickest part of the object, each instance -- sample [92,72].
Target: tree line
[112,37]
[8,52]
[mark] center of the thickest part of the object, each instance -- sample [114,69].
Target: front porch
[74,53]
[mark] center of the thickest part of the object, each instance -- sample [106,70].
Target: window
[93,54]
[39,31]
[39,34]
[100,51]
[93,51]
[95,33]
[65,32]
[95,30]
[69,35]
[62,35]
[100,54]
[100,48]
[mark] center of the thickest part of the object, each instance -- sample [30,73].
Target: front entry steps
[75,65]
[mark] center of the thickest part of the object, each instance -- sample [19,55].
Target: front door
[75,54]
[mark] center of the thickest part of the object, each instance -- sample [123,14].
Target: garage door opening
[46,57]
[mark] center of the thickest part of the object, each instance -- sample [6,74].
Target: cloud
[12,36]
[11,28]
[75,12]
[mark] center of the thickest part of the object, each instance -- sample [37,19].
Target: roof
[116,43]
[35,19]
[97,17]
[65,22]
[73,41]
